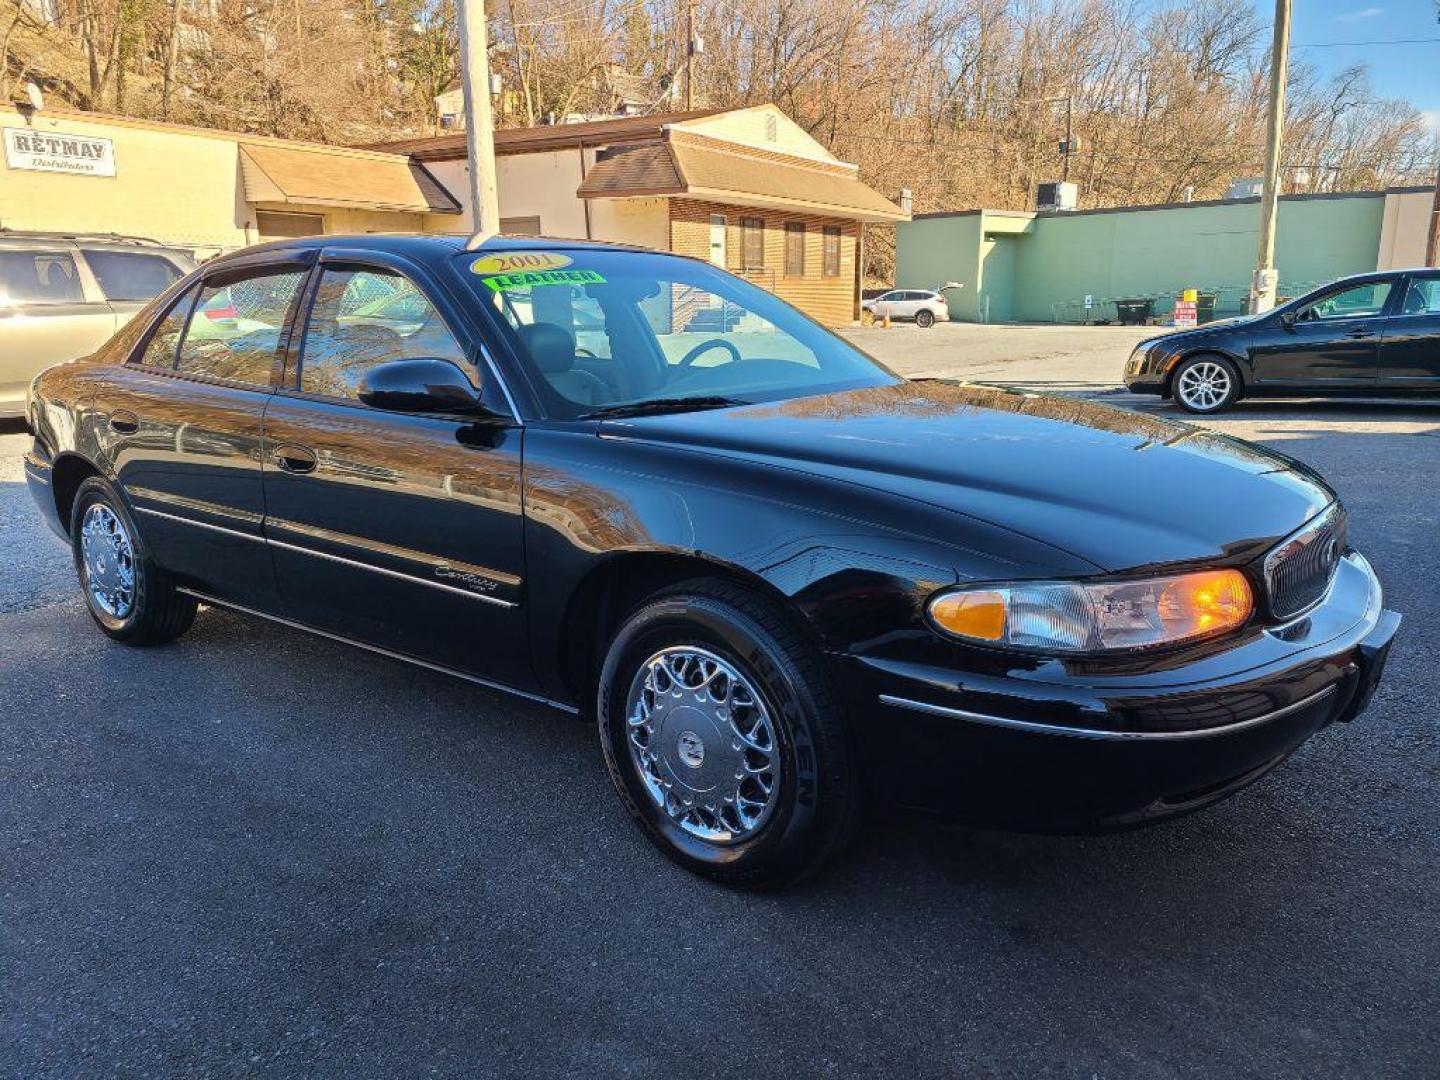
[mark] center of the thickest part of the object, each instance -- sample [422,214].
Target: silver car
[925,306]
[63,295]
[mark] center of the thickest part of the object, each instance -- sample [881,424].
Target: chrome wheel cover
[1204,386]
[703,744]
[109,558]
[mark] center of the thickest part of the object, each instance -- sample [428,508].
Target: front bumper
[1070,747]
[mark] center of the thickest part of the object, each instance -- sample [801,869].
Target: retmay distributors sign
[79,154]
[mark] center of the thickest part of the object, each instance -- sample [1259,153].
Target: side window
[131,275]
[38,277]
[235,329]
[1356,302]
[1422,298]
[362,318]
[161,348]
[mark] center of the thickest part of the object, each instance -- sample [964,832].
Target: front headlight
[1102,616]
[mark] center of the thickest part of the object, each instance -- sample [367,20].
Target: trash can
[1205,308]
[1134,312]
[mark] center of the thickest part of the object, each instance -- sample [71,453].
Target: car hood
[1117,488]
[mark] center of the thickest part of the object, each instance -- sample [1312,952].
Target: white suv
[925,306]
[62,296]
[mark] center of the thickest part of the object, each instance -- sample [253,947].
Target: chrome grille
[1299,569]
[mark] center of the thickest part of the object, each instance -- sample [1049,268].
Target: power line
[1390,41]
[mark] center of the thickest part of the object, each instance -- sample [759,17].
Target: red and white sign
[1184,314]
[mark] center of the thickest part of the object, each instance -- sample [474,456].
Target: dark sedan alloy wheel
[1205,384]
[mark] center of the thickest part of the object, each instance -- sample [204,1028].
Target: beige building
[205,190]
[748,189]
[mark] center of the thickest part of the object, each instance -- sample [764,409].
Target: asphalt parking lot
[259,852]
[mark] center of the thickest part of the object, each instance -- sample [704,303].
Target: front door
[1410,340]
[1333,342]
[399,530]
[717,240]
[181,426]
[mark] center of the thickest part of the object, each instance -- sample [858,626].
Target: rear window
[131,275]
[39,277]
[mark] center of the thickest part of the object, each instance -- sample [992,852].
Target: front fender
[857,563]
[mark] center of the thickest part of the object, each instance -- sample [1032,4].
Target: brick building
[747,189]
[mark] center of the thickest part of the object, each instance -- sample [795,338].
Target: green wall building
[1039,267]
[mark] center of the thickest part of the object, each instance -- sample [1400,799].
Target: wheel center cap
[690,748]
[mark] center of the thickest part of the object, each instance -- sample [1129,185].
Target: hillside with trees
[962,101]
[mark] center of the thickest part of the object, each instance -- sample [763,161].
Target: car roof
[121,241]
[417,245]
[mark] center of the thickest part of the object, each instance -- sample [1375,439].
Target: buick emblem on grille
[1299,569]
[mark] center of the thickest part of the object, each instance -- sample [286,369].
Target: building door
[717,240]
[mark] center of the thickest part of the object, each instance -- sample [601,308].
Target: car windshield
[613,330]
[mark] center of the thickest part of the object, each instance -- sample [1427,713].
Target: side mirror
[426,385]
[1287,320]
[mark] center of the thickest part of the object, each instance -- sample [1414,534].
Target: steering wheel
[705,346]
[580,350]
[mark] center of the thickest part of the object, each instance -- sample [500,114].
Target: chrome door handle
[124,423]
[294,459]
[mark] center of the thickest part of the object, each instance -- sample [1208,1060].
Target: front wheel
[924,318]
[723,739]
[1205,384]
[128,596]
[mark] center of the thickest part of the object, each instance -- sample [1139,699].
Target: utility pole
[1069,135]
[1432,242]
[479,128]
[689,53]
[1262,288]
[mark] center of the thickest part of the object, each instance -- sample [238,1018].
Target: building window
[282,225]
[831,262]
[752,234]
[772,129]
[520,226]
[794,249]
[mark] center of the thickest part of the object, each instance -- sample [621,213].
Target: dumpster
[1135,312]
[1205,308]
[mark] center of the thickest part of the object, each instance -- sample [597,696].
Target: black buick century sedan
[1372,335]
[779,578]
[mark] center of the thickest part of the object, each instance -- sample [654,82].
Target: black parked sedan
[777,576]
[1366,336]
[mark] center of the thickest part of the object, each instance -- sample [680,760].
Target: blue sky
[1401,71]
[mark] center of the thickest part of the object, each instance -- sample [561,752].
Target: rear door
[180,425]
[399,530]
[50,312]
[1334,342]
[1410,340]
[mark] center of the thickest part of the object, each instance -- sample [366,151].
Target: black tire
[158,612]
[816,805]
[924,319]
[1221,377]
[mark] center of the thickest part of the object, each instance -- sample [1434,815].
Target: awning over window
[359,180]
[727,172]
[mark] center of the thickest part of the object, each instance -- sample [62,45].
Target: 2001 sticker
[510,262]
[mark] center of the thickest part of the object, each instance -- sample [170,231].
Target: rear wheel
[1205,384]
[128,596]
[723,739]
[924,318]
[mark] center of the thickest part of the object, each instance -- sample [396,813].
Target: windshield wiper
[660,406]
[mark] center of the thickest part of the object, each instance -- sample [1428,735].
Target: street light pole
[689,54]
[1262,289]
[479,127]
